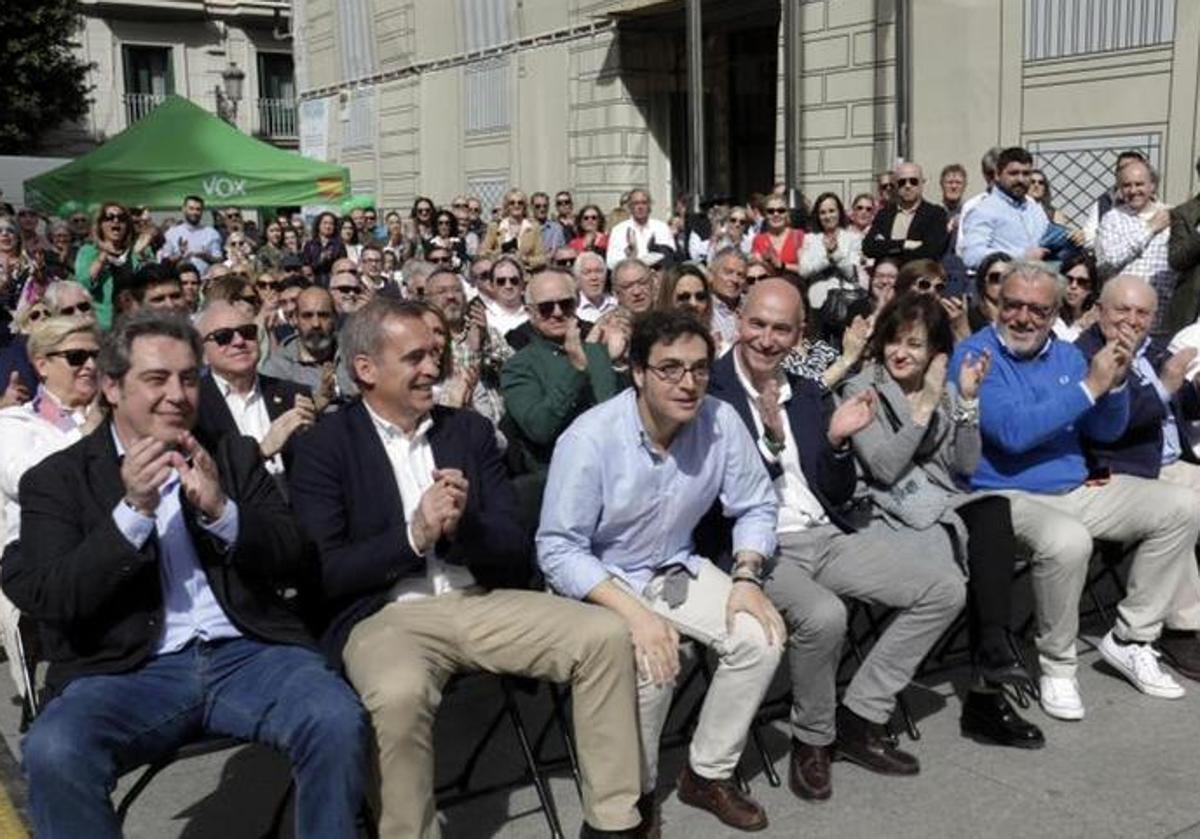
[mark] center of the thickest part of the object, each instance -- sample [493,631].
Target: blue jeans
[283,696]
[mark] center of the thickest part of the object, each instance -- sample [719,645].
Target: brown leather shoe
[809,776]
[723,799]
[865,743]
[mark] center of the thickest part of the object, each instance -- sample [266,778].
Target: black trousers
[991,556]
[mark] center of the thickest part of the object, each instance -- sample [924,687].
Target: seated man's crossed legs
[1162,522]
[912,571]
[400,658]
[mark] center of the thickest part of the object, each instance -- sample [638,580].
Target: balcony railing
[137,105]
[277,118]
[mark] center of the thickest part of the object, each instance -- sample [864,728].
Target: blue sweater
[1032,413]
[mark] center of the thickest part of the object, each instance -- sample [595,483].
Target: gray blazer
[916,476]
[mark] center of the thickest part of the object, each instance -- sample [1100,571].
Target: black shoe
[1000,666]
[990,717]
[1181,650]
[865,743]
[589,832]
[809,773]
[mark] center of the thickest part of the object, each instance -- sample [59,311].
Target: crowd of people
[282,483]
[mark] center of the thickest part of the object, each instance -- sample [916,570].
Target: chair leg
[539,782]
[768,767]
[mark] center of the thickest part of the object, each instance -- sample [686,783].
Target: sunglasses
[994,276]
[348,290]
[777,211]
[459,206]
[864,207]
[79,308]
[515,282]
[737,220]
[516,203]
[547,308]
[115,217]
[1082,282]
[926,284]
[75,358]
[908,181]
[1039,181]
[564,263]
[441,260]
[564,202]
[589,217]
[691,296]
[751,279]
[538,205]
[268,285]
[1011,307]
[7,228]
[224,337]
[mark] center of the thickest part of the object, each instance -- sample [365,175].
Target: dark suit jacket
[1138,451]
[831,476]
[928,227]
[1183,254]
[98,600]
[346,497]
[214,420]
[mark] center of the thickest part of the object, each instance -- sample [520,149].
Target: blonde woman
[515,233]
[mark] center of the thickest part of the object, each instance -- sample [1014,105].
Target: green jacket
[102,290]
[1183,254]
[543,393]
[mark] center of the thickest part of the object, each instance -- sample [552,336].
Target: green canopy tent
[180,149]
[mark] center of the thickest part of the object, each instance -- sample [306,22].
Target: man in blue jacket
[1040,401]
[1163,403]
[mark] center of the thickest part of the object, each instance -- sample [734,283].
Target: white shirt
[618,240]
[799,509]
[502,320]
[592,312]
[25,441]
[413,465]
[250,415]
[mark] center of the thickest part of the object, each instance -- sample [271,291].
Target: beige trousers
[746,663]
[1159,517]
[400,658]
[1185,610]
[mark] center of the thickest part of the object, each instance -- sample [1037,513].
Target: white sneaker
[1139,664]
[1060,697]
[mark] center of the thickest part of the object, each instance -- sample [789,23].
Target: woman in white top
[63,352]
[831,251]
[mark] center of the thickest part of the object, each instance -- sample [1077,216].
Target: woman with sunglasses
[915,457]
[589,231]
[64,408]
[421,221]
[687,286]
[446,238]
[66,299]
[515,234]
[862,212]
[831,251]
[324,248]
[1078,310]
[108,256]
[989,276]
[779,243]
[239,254]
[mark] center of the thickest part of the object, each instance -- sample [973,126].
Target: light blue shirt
[1144,370]
[615,507]
[1001,223]
[200,239]
[191,610]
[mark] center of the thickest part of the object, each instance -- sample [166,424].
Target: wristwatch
[747,572]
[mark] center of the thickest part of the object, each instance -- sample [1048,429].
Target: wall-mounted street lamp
[230,95]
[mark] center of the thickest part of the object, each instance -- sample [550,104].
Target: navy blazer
[214,421]
[1139,450]
[831,476]
[345,496]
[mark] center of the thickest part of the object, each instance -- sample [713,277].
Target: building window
[1080,169]
[276,95]
[148,79]
[489,189]
[486,96]
[358,120]
[1059,28]
[356,34]
[484,23]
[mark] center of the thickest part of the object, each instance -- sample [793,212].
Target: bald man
[805,445]
[1164,401]
[909,227]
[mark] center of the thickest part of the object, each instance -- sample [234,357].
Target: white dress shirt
[799,509]
[413,465]
[250,415]
[618,240]
[502,319]
[592,312]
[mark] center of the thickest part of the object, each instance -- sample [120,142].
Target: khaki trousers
[400,658]
[746,663]
[1159,517]
[1185,610]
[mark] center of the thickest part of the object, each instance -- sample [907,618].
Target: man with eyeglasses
[505,306]
[553,236]
[639,236]
[556,376]
[629,482]
[477,350]
[908,228]
[191,240]
[564,209]
[1005,219]
[310,357]
[349,294]
[1039,406]
[236,399]
[370,267]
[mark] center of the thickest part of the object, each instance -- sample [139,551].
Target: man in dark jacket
[416,530]
[152,569]
[909,228]
[1163,402]
[1183,255]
